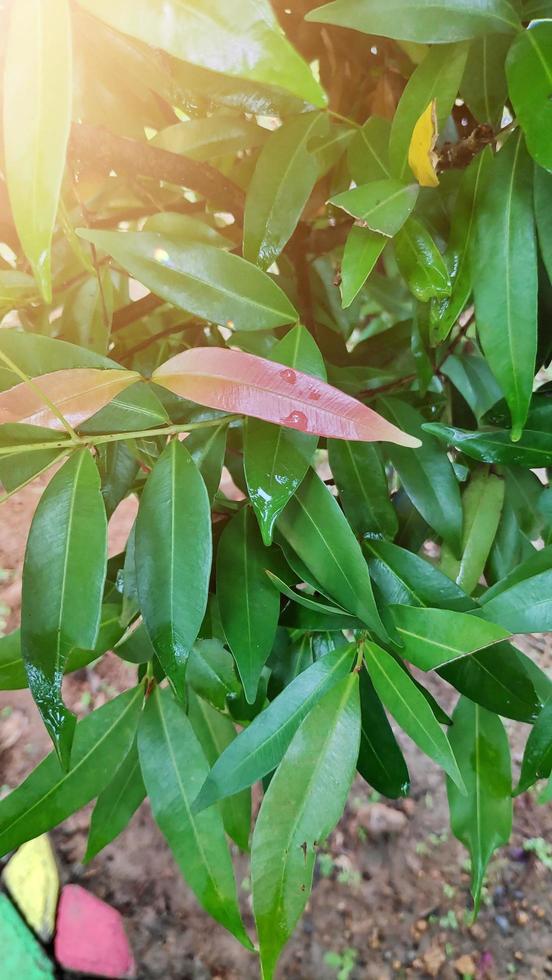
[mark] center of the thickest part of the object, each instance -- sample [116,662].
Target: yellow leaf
[31,877]
[422,158]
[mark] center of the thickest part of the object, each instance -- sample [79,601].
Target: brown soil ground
[391,893]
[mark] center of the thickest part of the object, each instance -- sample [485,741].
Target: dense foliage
[303,254]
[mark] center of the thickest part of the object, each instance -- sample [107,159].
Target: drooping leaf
[398,692]
[533,449]
[495,679]
[504,272]
[260,747]
[37,117]
[472,377]
[275,458]
[380,760]
[301,807]
[529,71]
[215,733]
[482,819]
[427,475]
[434,637]
[236,382]
[482,505]
[422,158]
[421,263]
[207,448]
[198,278]
[537,758]
[116,804]
[49,794]
[317,530]
[284,177]
[360,478]
[211,673]
[173,558]
[424,21]
[77,394]
[249,605]
[174,768]
[245,42]
[63,580]
[384,205]
[362,250]
[405,577]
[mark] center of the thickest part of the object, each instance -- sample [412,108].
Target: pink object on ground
[90,936]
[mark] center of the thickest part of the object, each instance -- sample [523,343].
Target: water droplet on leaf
[289,376]
[296,420]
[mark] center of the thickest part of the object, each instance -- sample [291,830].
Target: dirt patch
[391,893]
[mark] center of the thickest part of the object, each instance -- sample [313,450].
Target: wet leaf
[384,205]
[380,760]
[434,637]
[529,73]
[116,804]
[537,758]
[482,505]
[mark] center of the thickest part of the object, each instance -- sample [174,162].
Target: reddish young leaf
[77,393]
[243,383]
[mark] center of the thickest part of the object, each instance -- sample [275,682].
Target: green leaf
[368,155]
[174,767]
[482,819]
[245,42]
[437,77]
[249,605]
[207,448]
[533,449]
[483,86]
[211,673]
[362,250]
[383,204]
[543,214]
[116,804]
[433,637]
[276,458]
[360,478]
[398,692]
[37,117]
[215,733]
[537,758]
[497,680]
[380,760]
[405,577]
[426,475]
[504,270]
[420,262]
[200,279]
[529,73]
[424,21]
[471,376]
[49,794]
[304,600]
[317,530]
[482,505]
[173,558]
[204,139]
[118,468]
[301,807]
[284,177]
[522,602]
[67,540]
[260,747]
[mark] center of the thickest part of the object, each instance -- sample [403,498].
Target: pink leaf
[232,381]
[77,393]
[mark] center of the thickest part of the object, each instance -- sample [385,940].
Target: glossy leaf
[198,278]
[360,478]
[259,748]
[523,604]
[301,807]
[483,86]
[276,458]
[116,804]
[173,558]
[362,250]
[380,760]
[471,376]
[37,117]
[495,679]
[284,177]
[384,205]
[542,190]
[482,819]
[421,263]
[49,794]
[205,139]
[211,673]
[249,605]
[215,733]
[437,77]
[482,505]
[174,767]
[405,577]
[529,73]
[504,270]
[236,382]
[77,394]
[424,21]
[67,540]
[397,691]
[245,43]
[207,448]
[427,475]
[316,529]
[533,449]
[537,758]
[433,637]
[368,155]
